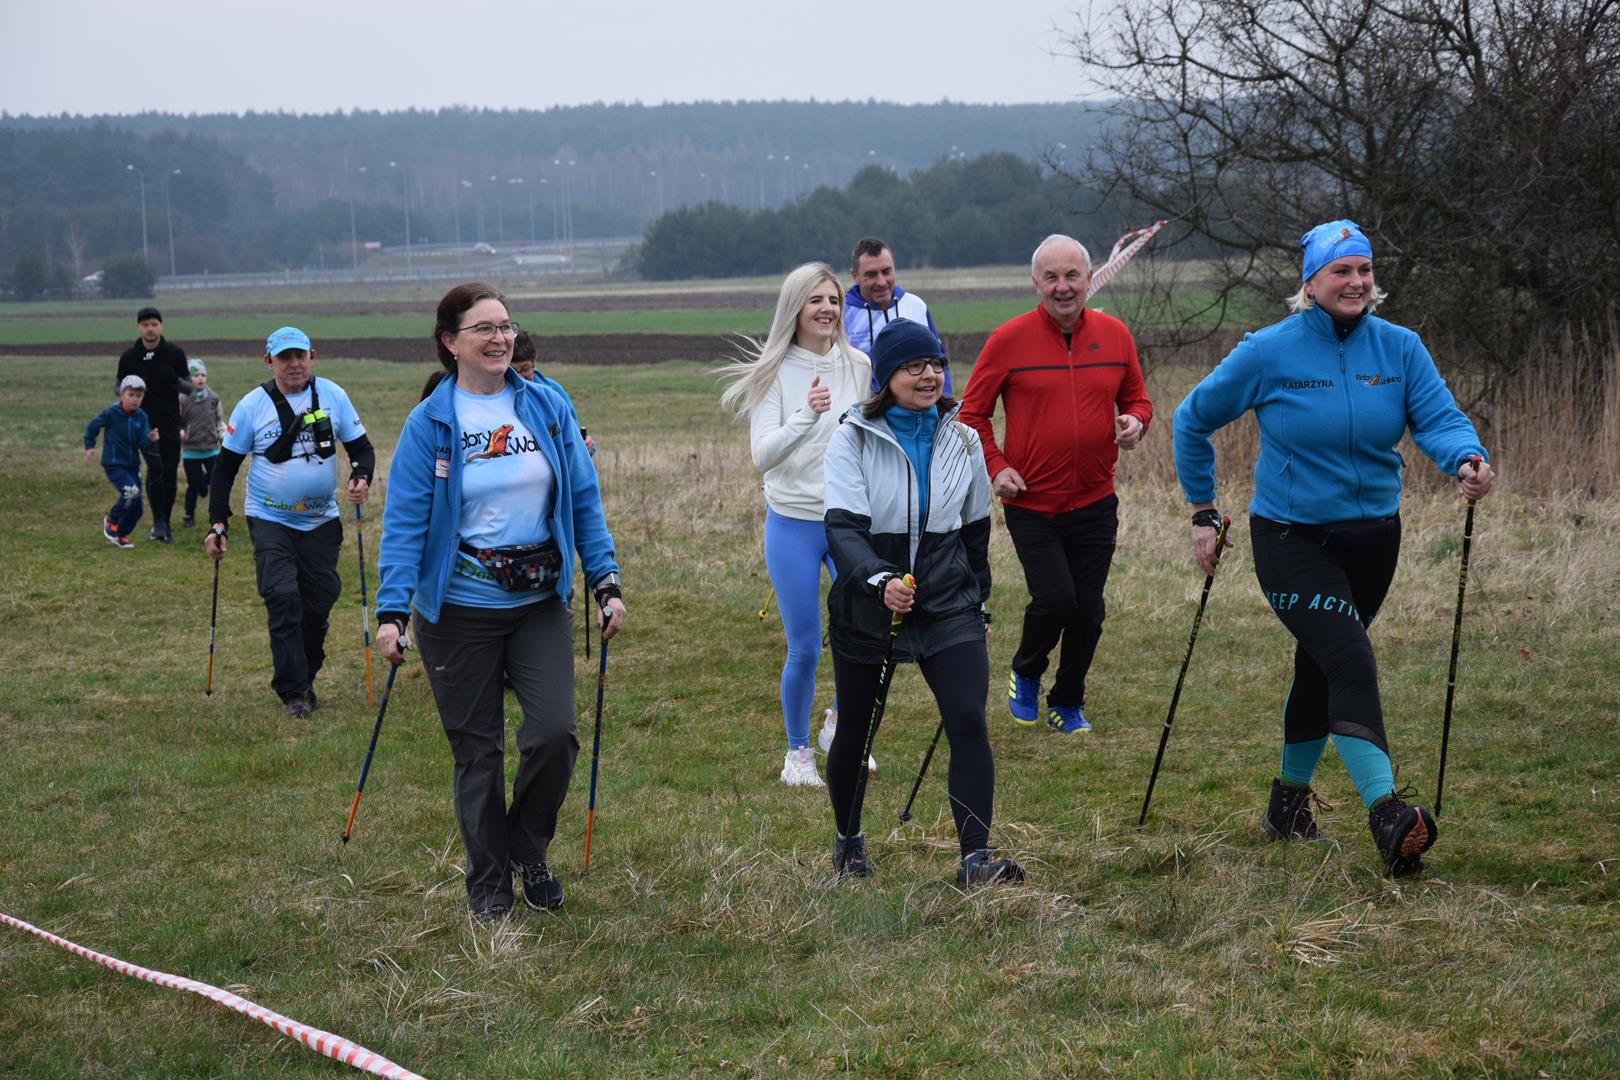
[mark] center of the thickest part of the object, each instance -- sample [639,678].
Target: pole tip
[904,817]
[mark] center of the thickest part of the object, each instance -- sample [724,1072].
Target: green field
[200,835]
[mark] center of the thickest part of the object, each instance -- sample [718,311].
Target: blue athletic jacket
[423,510]
[1330,414]
[127,436]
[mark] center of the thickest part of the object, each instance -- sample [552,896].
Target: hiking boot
[829,728]
[297,705]
[1402,833]
[491,915]
[1288,814]
[1024,699]
[979,869]
[1068,719]
[799,769]
[849,856]
[541,889]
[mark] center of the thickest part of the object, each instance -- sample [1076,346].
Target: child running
[128,430]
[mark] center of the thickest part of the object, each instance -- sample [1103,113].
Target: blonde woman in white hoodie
[793,387]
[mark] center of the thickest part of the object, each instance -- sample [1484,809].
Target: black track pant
[1066,559]
[467,653]
[163,474]
[199,472]
[1326,582]
[960,680]
[299,582]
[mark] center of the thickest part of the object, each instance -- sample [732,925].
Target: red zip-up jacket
[1060,402]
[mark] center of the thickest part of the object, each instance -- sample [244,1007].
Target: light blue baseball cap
[288,337]
[1331,240]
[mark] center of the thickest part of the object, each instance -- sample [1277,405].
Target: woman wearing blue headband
[1333,388]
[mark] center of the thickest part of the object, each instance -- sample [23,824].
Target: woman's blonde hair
[753,373]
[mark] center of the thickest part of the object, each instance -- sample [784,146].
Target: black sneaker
[541,889]
[849,856]
[188,521]
[1288,815]
[1402,833]
[298,706]
[491,915]
[314,702]
[979,869]
[164,535]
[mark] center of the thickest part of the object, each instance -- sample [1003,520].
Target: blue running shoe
[1024,699]
[1067,719]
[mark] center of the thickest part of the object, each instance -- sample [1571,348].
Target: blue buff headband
[1328,241]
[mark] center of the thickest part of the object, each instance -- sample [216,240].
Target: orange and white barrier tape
[1125,247]
[322,1042]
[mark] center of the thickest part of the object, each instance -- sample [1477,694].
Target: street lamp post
[168,215]
[461,187]
[500,216]
[354,238]
[142,177]
[529,190]
[405,190]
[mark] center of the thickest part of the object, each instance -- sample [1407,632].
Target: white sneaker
[799,769]
[829,728]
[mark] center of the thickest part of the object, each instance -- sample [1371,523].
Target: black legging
[163,475]
[960,680]
[1326,582]
[198,473]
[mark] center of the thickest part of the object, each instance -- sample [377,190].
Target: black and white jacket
[875,529]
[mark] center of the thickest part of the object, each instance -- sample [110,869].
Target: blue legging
[795,552]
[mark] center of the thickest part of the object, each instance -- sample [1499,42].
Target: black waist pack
[521,568]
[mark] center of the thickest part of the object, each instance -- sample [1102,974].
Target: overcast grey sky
[113,56]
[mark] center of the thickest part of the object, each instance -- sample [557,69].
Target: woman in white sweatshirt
[793,387]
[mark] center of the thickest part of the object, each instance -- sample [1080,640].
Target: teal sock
[1299,761]
[1368,767]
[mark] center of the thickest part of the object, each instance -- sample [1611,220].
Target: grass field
[200,835]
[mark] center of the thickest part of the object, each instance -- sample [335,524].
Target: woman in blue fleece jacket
[490,494]
[1334,388]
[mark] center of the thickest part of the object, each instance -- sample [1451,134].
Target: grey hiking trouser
[467,653]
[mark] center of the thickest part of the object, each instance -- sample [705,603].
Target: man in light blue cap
[292,423]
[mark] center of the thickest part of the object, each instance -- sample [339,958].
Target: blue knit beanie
[898,343]
[1331,240]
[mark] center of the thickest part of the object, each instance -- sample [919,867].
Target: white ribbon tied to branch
[1124,248]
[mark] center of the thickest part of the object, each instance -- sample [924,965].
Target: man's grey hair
[1057,238]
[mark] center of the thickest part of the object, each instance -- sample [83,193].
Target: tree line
[268,191]
[990,209]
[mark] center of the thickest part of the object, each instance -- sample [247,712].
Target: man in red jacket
[1072,391]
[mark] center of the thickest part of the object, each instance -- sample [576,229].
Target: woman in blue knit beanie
[1334,388]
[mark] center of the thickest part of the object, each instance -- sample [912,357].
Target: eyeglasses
[489,331]
[917,367]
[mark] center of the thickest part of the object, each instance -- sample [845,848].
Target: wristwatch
[1207,519]
[607,588]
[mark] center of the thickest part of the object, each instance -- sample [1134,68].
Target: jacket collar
[440,403]
[879,426]
[854,299]
[1321,323]
[1052,324]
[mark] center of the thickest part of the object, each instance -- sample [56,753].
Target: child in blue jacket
[128,430]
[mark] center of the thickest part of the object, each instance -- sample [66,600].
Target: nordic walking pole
[766,606]
[885,676]
[596,736]
[376,729]
[905,815]
[213,623]
[1456,640]
[1175,698]
[365,617]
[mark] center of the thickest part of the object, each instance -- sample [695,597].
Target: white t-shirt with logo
[301,492]
[506,492]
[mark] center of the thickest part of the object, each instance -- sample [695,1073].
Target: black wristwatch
[399,622]
[1207,519]
[607,588]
